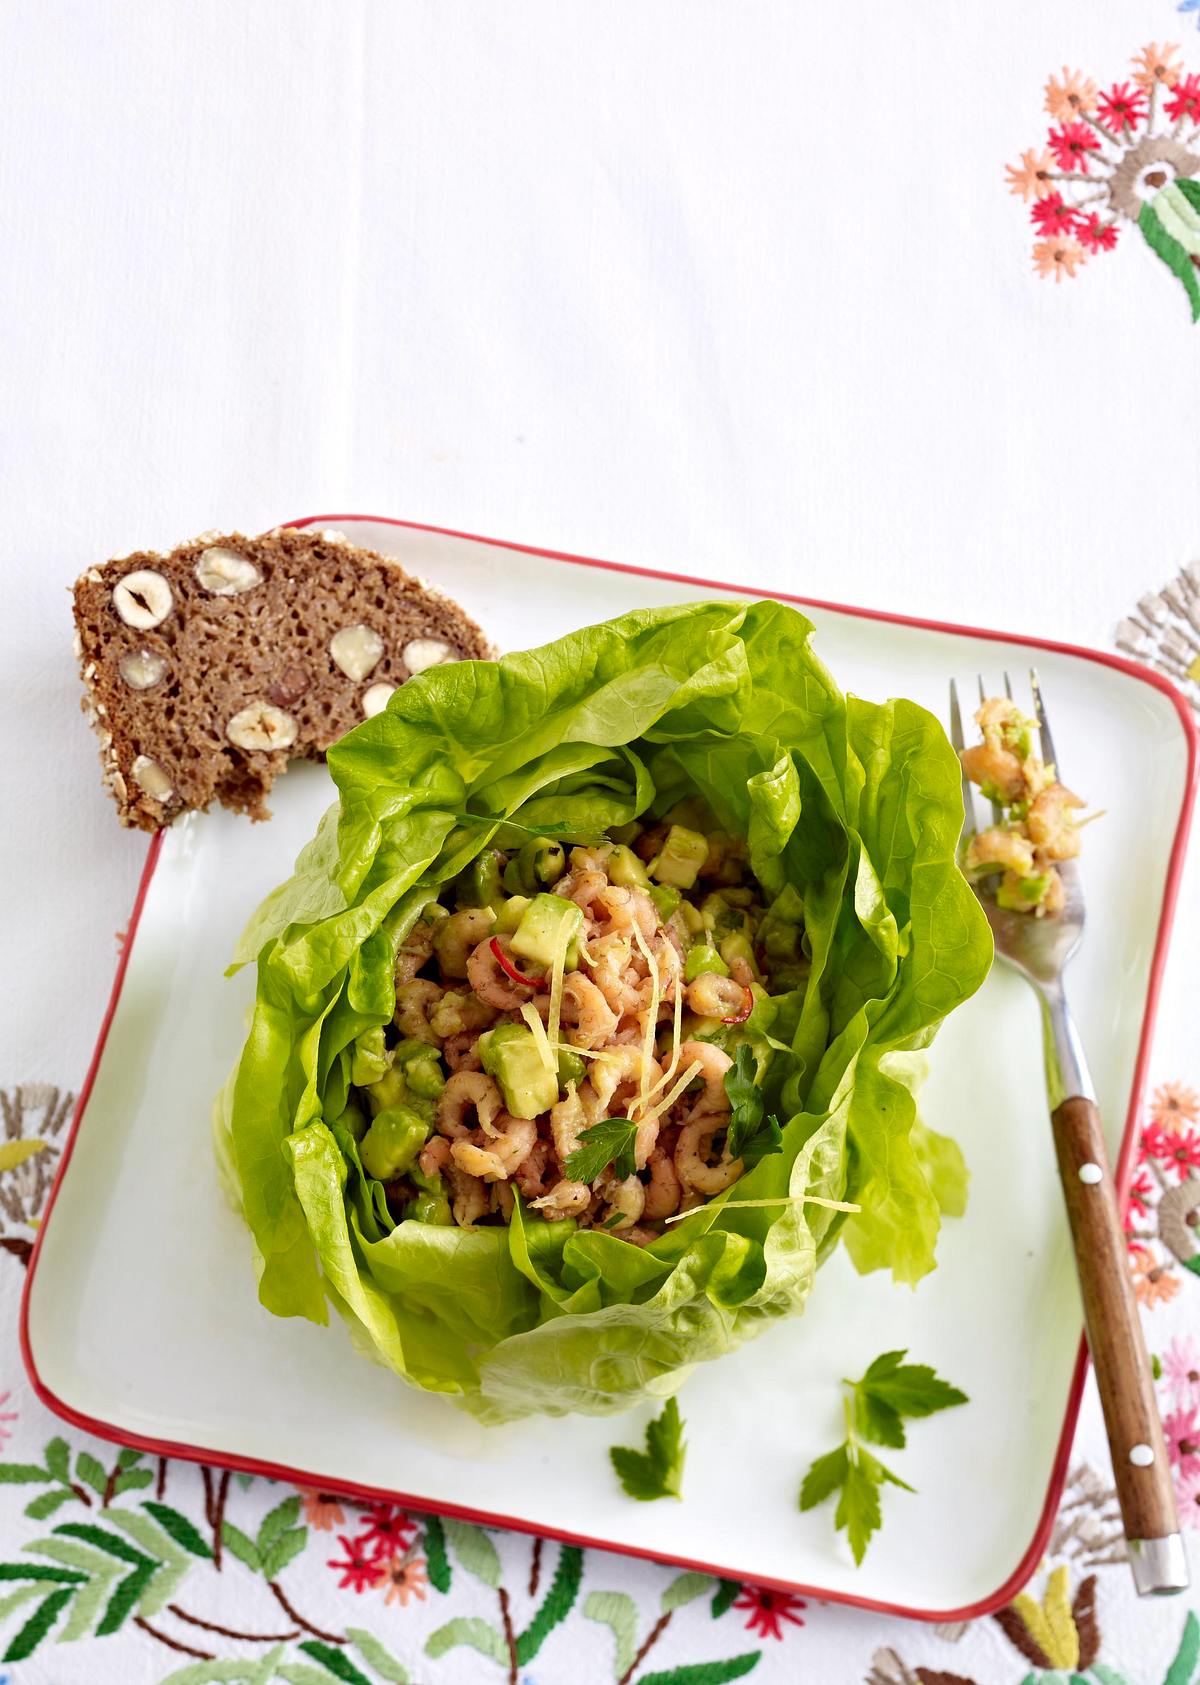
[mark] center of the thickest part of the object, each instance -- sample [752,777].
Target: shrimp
[618,1078]
[565,1199]
[626,1201]
[570,1117]
[629,907]
[502,1200]
[990,763]
[414,1002]
[1055,898]
[467,1091]
[1052,824]
[434,1156]
[591,859]
[530,1176]
[584,888]
[457,935]
[663,1189]
[585,1012]
[996,847]
[691,1157]
[489,979]
[469,1197]
[415,950]
[713,1064]
[461,1051]
[713,996]
[505,1152]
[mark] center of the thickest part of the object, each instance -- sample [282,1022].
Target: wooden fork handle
[1114,1331]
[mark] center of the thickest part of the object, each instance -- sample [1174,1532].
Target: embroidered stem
[214,1508]
[1153,107]
[535,1568]
[231,1632]
[294,1615]
[172,1643]
[160,1485]
[1105,134]
[656,1631]
[110,1486]
[1070,175]
[83,1497]
[510,1637]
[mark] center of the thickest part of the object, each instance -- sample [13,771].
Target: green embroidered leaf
[37,1509]
[338,1663]
[556,1605]
[132,1480]
[148,1534]
[92,1472]
[58,1459]
[103,1540]
[1184,1665]
[15,1599]
[81,1558]
[90,1599]
[127,1457]
[684,1590]
[474,1550]
[467,1629]
[706,1673]
[244,1670]
[1165,246]
[618,1612]
[124,1599]
[1102,1674]
[284,1550]
[21,1474]
[163,1585]
[724,1597]
[277,1522]
[436,1560]
[656,1472]
[384,1663]
[179,1528]
[37,1571]
[236,1542]
[35,1629]
[302,1673]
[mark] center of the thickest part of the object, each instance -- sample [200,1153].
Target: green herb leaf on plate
[656,1472]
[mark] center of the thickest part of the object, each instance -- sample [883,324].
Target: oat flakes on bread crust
[206,670]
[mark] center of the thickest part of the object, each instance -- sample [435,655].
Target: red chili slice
[746,1010]
[510,970]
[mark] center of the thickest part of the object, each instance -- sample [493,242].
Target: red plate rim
[301,1477]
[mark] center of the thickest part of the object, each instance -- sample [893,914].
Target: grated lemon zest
[541,1040]
[556,987]
[651,1018]
[794,1199]
[662,1106]
[676,1043]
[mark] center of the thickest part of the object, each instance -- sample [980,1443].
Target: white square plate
[140,1319]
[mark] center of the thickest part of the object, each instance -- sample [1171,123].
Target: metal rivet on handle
[1141,1456]
[1091,1174]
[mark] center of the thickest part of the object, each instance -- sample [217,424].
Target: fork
[1039,948]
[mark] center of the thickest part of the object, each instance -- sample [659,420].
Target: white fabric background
[733,288]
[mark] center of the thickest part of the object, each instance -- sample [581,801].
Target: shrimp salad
[555,989]
[1039,827]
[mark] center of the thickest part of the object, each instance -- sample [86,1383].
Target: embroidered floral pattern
[767,1610]
[1127,156]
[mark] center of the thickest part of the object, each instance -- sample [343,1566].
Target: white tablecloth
[734,289]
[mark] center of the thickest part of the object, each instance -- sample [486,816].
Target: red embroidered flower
[1183,1440]
[1052,216]
[1122,107]
[1185,101]
[1183,1151]
[359,1571]
[387,1532]
[1096,235]
[768,1608]
[1140,1190]
[1153,1142]
[1071,144]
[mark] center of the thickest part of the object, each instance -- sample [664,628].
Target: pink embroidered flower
[1185,101]
[1155,66]
[1153,1283]
[1187,1493]
[387,1532]
[1059,257]
[1183,1440]
[1071,97]
[1174,1104]
[1122,107]
[322,1511]
[6,1416]
[359,1571]
[1071,145]
[1030,179]
[405,1579]
[1183,1151]
[1181,1366]
[1140,1190]
[1051,216]
[768,1608]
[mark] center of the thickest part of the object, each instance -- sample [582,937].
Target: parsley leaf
[656,1472]
[751,1135]
[608,1142]
[875,1406]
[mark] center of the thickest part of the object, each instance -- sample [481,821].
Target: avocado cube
[679,861]
[625,868]
[510,1054]
[703,960]
[392,1143]
[548,924]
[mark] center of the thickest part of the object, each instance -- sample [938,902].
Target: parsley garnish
[608,1142]
[875,1406]
[656,1472]
[751,1135]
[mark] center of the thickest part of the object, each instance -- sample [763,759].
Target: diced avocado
[391,1145]
[624,867]
[1027,893]
[701,960]
[992,792]
[548,924]
[509,914]
[410,1048]
[571,1067]
[478,884]
[539,861]
[720,915]
[431,1204]
[352,1121]
[679,860]
[693,918]
[627,834]
[665,899]
[510,1054]
[370,1058]
[736,946]
[424,1078]
[390,1090]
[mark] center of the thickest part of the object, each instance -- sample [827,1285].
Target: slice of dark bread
[207,670]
